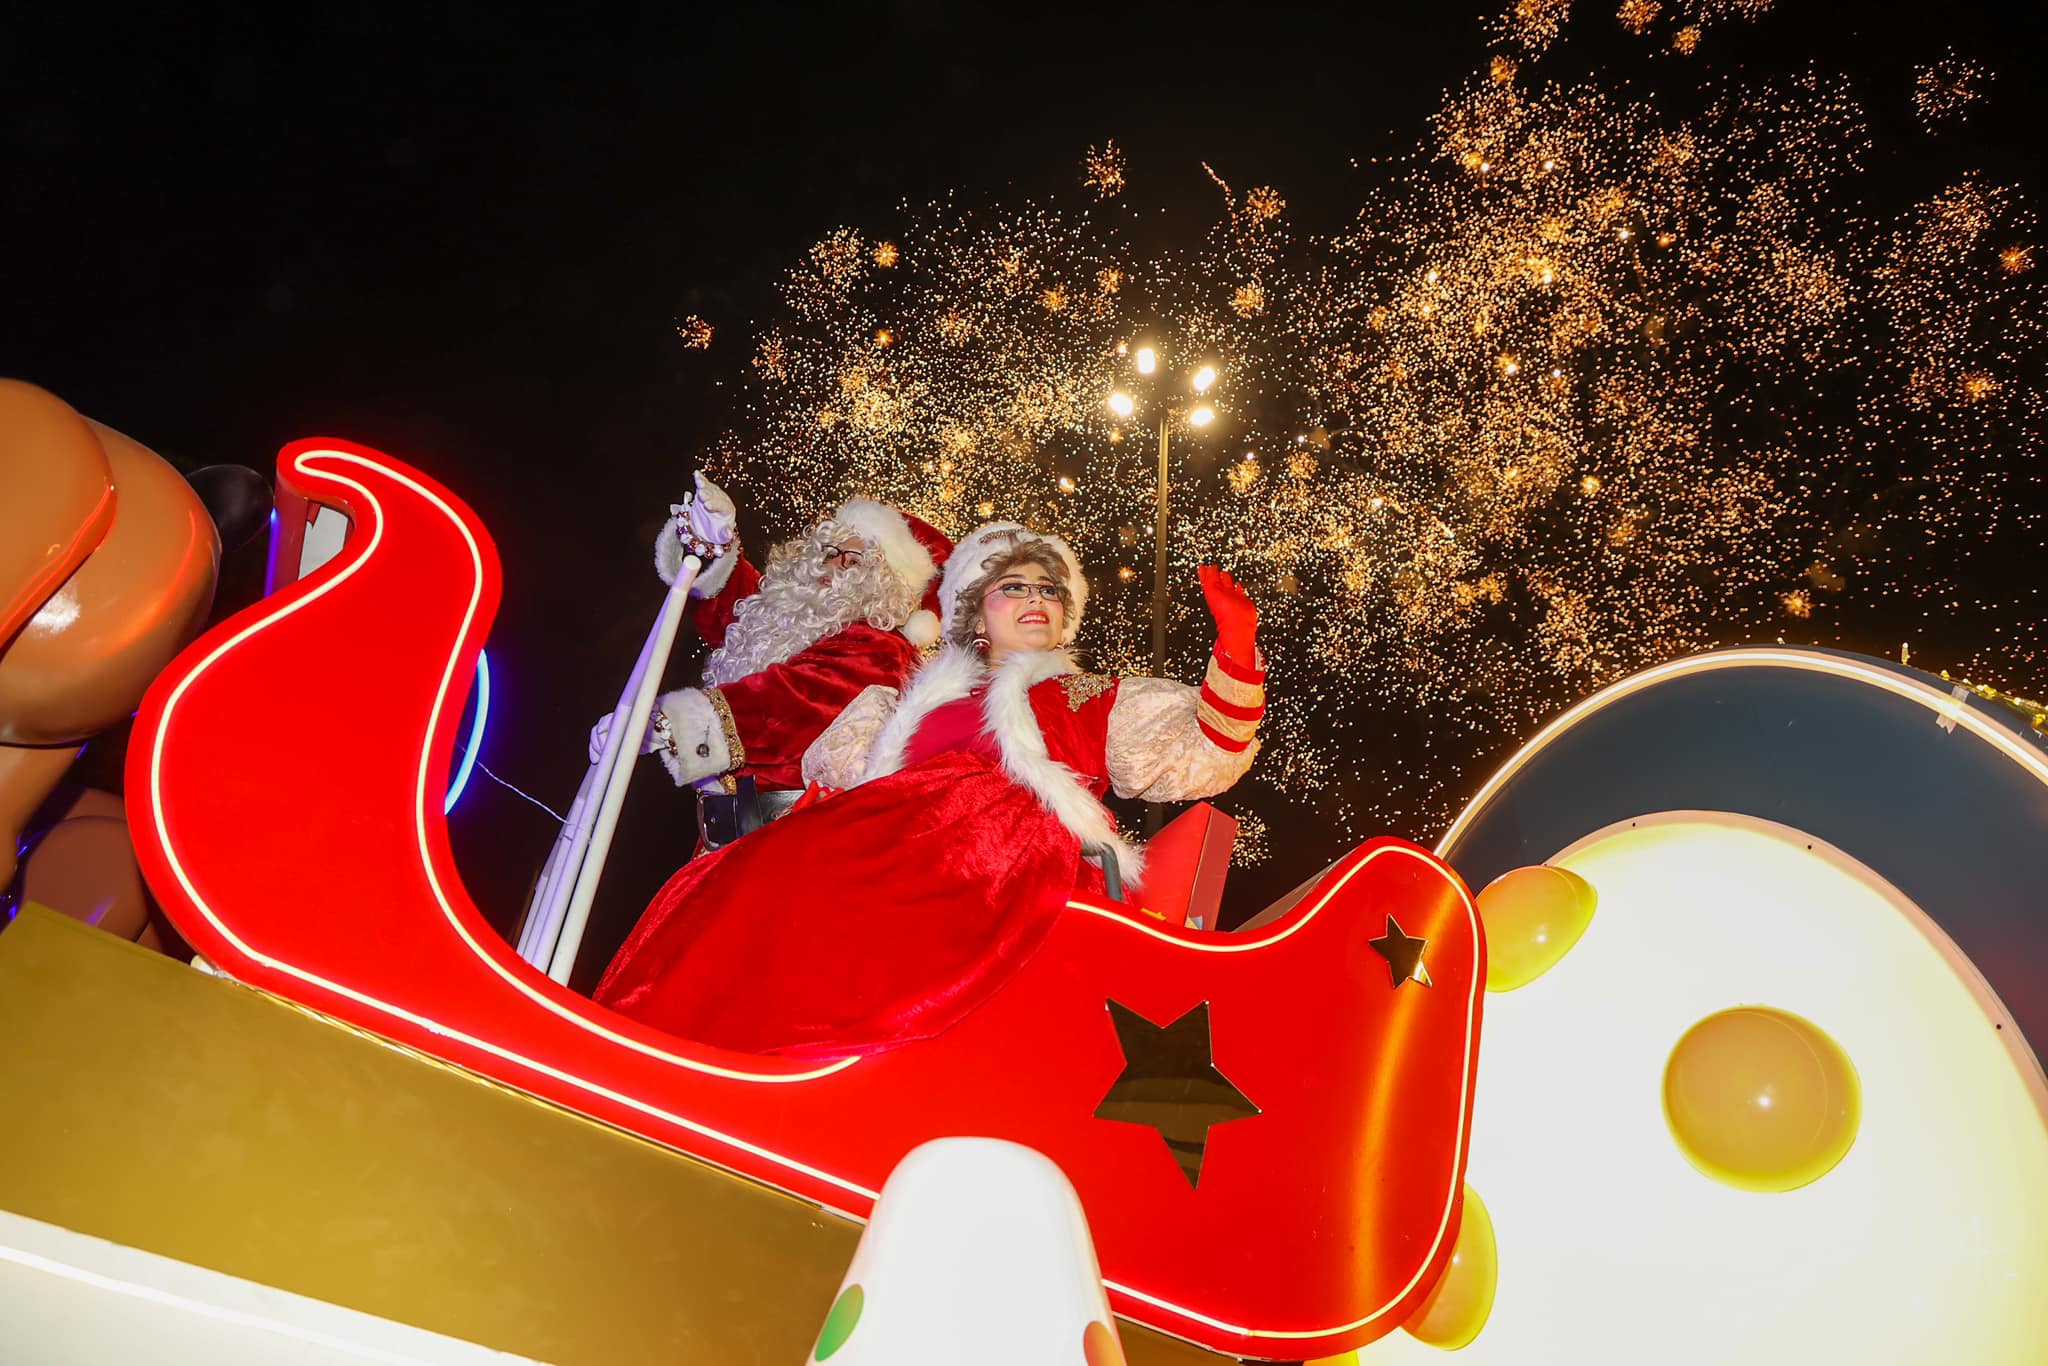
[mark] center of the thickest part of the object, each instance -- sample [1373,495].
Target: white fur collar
[954,673]
[947,676]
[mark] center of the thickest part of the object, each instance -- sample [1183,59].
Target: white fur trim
[946,677]
[712,578]
[922,630]
[963,566]
[1006,712]
[693,721]
[884,528]
[1059,789]
[668,562]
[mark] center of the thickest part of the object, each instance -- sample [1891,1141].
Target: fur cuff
[668,562]
[711,579]
[697,733]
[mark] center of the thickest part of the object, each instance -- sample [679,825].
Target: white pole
[551,894]
[635,726]
[537,935]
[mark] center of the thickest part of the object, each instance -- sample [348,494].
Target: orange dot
[1100,1346]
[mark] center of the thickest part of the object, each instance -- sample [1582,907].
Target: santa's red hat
[911,547]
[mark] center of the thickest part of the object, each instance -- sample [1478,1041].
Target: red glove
[1237,617]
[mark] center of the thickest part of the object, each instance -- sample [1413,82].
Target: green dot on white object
[839,1323]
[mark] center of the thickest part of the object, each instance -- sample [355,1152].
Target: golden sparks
[694,332]
[887,254]
[1102,170]
[838,257]
[1945,92]
[1589,386]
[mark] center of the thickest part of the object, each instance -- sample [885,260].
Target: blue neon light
[476,731]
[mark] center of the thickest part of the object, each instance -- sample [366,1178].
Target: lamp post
[1145,364]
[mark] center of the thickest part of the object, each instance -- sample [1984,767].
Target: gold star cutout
[1403,954]
[1170,1081]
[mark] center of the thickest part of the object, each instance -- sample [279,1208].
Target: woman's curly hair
[1041,553]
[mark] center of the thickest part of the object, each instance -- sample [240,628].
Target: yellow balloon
[1532,917]
[1761,1099]
[1348,1359]
[1456,1310]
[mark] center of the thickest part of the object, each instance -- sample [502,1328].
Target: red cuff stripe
[1241,672]
[1234,710]
[1222,741]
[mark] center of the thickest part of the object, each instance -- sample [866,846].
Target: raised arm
[703,525]
[1171,742]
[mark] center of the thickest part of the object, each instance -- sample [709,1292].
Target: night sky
[463,234]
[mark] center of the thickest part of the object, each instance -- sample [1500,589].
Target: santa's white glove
[603,728]
[702,524]
[712,515]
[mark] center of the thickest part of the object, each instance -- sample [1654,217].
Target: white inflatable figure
[977,1251]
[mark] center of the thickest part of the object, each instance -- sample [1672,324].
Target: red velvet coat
[772,716]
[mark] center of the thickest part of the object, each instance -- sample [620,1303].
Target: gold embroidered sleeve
[1156,749]
[736,753]
[839,755]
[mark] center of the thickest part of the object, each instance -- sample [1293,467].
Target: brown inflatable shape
[84,867]
[54,514]
[98,604]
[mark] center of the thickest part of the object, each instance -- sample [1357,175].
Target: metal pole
[1154,812]
[1159,565]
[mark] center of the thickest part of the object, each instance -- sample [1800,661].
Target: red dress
[879,916]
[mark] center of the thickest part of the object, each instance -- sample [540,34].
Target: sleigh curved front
[1267,1131]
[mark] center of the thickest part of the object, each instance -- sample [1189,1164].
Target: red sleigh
[1268,1130]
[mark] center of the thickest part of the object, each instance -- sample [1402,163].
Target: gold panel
[162,1108]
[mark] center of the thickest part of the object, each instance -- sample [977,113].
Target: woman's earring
[981,641]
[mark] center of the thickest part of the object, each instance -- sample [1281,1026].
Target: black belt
[723,818]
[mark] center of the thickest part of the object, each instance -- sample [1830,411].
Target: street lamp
[1171,407]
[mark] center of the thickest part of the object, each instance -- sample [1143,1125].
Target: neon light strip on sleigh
[567,1067]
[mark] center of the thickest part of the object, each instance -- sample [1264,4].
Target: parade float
[1757,945]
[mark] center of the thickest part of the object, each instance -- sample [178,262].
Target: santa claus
[837,609]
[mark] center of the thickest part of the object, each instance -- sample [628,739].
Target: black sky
[463,233]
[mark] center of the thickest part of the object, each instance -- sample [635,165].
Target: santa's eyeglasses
[847,558]
[1019,592]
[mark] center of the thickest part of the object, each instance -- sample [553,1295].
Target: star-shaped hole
[1403,954]
[1170,1082]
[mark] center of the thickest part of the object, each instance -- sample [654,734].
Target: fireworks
[694,332]
[1102,170]
[1945,91]
[1588,386]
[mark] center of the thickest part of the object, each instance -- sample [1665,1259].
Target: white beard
[794,609]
